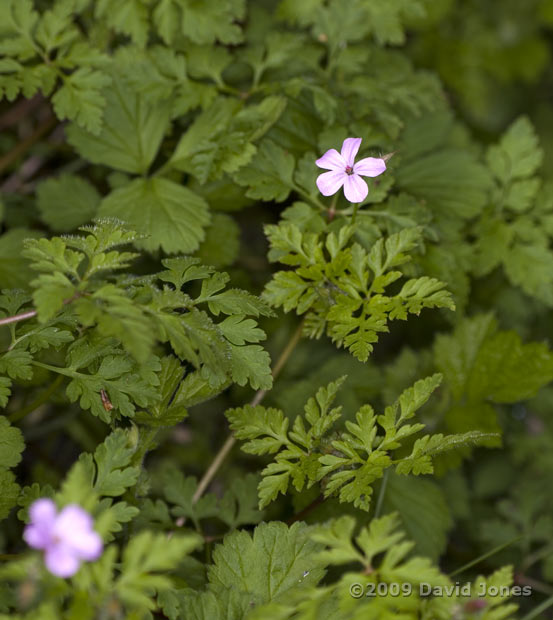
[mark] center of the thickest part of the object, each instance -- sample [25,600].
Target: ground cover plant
[275,315]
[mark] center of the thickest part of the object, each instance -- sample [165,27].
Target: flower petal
[355,188]
[330,182]
[61,561]
[74,528]
[350,148]
[332,160]
[72,521]
[38,534]
[370,167]
[43,510]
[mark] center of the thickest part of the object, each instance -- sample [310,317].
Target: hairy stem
[258,397]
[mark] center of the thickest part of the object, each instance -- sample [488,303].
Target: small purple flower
[67,538]
[344,171]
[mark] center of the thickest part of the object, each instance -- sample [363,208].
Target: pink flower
[67,538]
[344,171]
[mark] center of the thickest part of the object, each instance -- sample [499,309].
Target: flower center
[349,170]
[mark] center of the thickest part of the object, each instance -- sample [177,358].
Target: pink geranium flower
[344,171]
[67,538]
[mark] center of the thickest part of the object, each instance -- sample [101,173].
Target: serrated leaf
[268,564]
[144,561]
[251,364]
[11,444]
[80,99]
[171,215]
[518,154]
[269,175]
[131,133]
[9,492]
[179,491]
[112,457]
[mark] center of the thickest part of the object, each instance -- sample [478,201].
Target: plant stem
[354,215]
[485,556]
[32,313]
[381,494]
[40,400]
[539,609]
[332,208]
[62,371]
[258,397]
[18,317]
[309,508]
[23,146]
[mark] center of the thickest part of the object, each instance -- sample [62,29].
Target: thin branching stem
[258,397]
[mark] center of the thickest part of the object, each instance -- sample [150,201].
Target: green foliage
[112,367]
[346,463]
[341,287]
[11,447]
[516,233]
[147,144]
[482,366]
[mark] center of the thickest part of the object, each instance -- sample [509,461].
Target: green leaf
[80,99]
[9,492]
[485,364]
[251,364]
[269,175]
[508,371]
[423,511]
[276,559]
[451,181]
[238,505]
[145,558]
[221,245]
[517,155]
[14,269]
[131,132]
[67,202]
[113,313]
[17,364]
[220,140]
[179,490]
[11,444]
[5,391]
[128,17]
[336,536]
[531,268]
[173,216]
[456,354]
[112,457]
[252,422]
[206,23]
[124,385]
